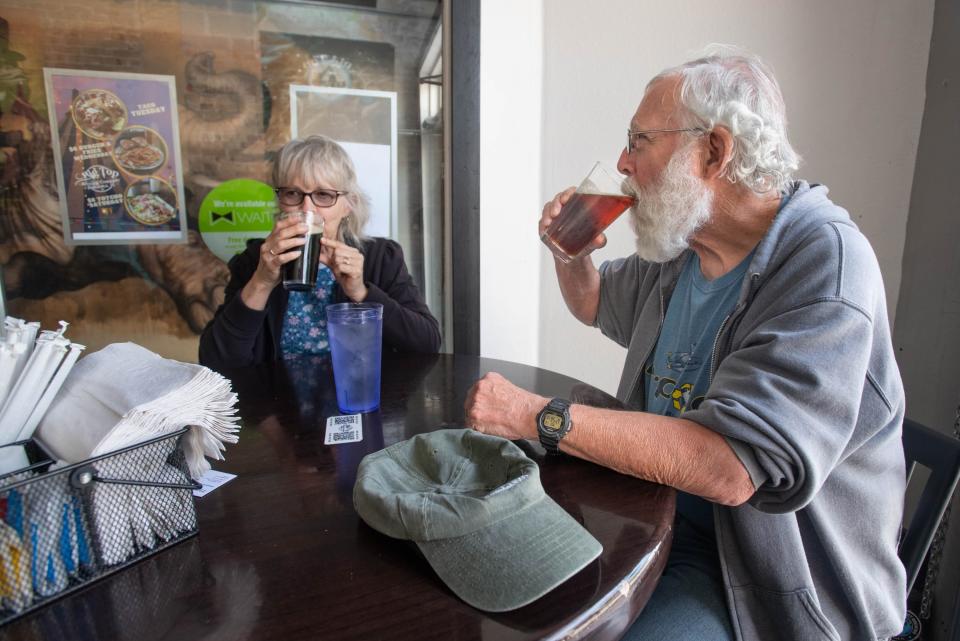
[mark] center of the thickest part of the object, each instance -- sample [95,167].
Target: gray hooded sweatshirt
[806,391]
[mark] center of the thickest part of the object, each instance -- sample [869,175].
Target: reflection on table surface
[281,554]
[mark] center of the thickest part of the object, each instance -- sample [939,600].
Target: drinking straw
[50,349]
[15,353]
[47,568]
[23,333]
[69,539]
[9,355]
[51,391]
[17,562]
[15,592]
[83,547]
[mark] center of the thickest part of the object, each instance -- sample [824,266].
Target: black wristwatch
[553,423]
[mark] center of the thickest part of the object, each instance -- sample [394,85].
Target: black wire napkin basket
[63,527]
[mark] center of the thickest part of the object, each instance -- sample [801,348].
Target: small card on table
[212,480]
[344,429]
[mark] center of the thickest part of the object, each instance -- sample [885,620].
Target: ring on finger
[273,253]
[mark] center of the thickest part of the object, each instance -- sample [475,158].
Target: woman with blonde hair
[260,322]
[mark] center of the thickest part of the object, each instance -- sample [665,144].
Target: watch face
[552,422]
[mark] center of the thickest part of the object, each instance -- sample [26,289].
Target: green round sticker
[234,212]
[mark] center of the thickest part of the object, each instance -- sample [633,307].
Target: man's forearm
[671,451]
[580,285]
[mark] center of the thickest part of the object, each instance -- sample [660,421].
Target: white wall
[853,76]
[511,75]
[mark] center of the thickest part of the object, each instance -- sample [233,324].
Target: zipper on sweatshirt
[639,377]
[741,306]
[713,351]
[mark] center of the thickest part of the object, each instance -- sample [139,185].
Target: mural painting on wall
[230,121]
[342,89]
[364,122]
[161,295]
[291,59]
[234,211]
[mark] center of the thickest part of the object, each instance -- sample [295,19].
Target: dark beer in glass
[301,274]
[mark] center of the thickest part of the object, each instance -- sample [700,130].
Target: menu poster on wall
[116,149]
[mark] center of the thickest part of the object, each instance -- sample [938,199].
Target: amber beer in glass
[301,274]
[596,203]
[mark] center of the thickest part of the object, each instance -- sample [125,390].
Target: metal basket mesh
[61,528]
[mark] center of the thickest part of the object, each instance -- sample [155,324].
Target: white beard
[669,212]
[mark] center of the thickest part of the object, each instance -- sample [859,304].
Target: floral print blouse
[305,323]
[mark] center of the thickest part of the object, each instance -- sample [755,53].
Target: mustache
[629,188]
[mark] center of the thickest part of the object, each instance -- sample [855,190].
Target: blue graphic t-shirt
[305,323]
[678,374]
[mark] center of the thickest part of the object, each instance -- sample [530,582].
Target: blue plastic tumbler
[356,339]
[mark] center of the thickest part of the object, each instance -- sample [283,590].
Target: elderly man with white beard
[759,380]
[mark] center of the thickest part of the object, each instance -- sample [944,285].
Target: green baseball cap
[474,505]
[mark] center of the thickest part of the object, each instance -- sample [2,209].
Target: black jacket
[238,335]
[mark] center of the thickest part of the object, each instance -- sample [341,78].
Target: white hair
[317,157]
[733,88]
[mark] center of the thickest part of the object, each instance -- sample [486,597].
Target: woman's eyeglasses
[321,197]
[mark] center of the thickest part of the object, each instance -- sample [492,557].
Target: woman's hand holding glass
[346,263]
[280,247]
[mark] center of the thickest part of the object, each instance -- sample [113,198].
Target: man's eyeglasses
[321,197]
[643,133]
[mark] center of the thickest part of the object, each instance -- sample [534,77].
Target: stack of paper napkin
[125,394]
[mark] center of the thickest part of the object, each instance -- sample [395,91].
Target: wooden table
[281,553]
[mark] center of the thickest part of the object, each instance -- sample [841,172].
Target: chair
[941,455]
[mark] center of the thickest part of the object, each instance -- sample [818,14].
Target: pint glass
[596,203]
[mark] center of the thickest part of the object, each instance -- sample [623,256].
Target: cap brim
[514,561]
